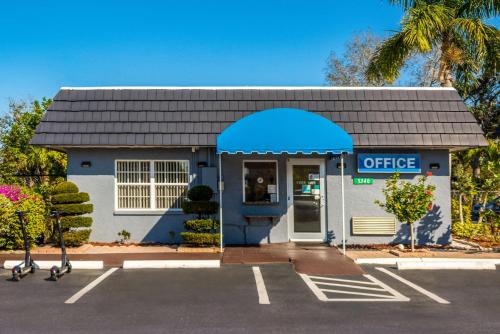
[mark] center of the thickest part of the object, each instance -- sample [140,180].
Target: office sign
[388,163]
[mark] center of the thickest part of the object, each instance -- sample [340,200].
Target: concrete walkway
[307,259]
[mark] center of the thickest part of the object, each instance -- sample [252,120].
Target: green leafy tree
[20,162]
[408,201]
[456,28]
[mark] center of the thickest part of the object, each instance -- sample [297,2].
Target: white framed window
[260,181]
[151,184]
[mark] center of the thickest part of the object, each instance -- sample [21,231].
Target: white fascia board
[253,88]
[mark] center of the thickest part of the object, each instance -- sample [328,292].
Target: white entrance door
[306,199]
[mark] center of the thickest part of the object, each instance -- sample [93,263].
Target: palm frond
[388,59]
[478,34]
[424,24]
[479,9]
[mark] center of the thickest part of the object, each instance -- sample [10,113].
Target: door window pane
[306,199]
[260,179]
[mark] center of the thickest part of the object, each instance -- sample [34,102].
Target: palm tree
[456,28]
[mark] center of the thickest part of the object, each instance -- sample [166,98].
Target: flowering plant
[13,193]
[12,199]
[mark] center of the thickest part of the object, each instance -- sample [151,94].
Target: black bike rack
[57,272]
[28,265]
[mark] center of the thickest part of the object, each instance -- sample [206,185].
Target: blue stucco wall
[98,181]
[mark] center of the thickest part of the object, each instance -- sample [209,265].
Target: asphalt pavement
[229,300]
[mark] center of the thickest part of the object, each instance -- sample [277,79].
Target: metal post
[220,200]
[343,201]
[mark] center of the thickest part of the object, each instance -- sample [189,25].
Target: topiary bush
[70,203]
[201,231]
[201,225]
[12,199]
[201,239]
[200,193]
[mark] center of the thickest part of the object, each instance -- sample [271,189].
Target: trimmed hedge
[65,188]
[70,198]
[201,225]
[76,238]
[73,208]
[201,208]
[201,239]
[200,193]
[68,222]
[70,203]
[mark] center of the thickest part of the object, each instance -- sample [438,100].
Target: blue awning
[284,130]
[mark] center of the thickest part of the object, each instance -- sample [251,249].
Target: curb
[433,263]
[164,264]
[49,264]
[451,265]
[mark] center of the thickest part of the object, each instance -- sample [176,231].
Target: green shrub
[200,208]
[69,202]
[69,198]
[68,222]
[10,229]
[201,239]
[455,212]
[65,187]
[76,238]
[199,229]
[200,193]
[73,208]
[470,230]
[201,225]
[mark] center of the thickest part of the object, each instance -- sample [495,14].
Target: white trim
[152,183]
[305,237]
[254,87]
[243,180]
[414,286]
[164,264]
[261,286]
[73,299]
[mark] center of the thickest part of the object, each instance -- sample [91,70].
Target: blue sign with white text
[389,163]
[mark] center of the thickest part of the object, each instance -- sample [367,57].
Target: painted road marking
[73,299]
[414,286]
[261,286]
[371,290]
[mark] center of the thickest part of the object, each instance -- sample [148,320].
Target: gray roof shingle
[375,117]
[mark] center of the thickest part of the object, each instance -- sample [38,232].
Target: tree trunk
[485,199]
[412,237]
[445,77]
[460,208]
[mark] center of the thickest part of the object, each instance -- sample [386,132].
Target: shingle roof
[375,117]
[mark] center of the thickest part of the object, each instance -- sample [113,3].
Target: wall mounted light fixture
[434,165]
[338,165]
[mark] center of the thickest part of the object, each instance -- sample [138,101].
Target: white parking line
[320,286]
[90,286]
[261,286]
[414,286]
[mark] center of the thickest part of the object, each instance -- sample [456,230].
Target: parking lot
[243,299]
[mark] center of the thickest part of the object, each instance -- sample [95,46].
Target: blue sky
[48,44]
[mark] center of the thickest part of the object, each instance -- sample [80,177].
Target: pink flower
[13,193]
